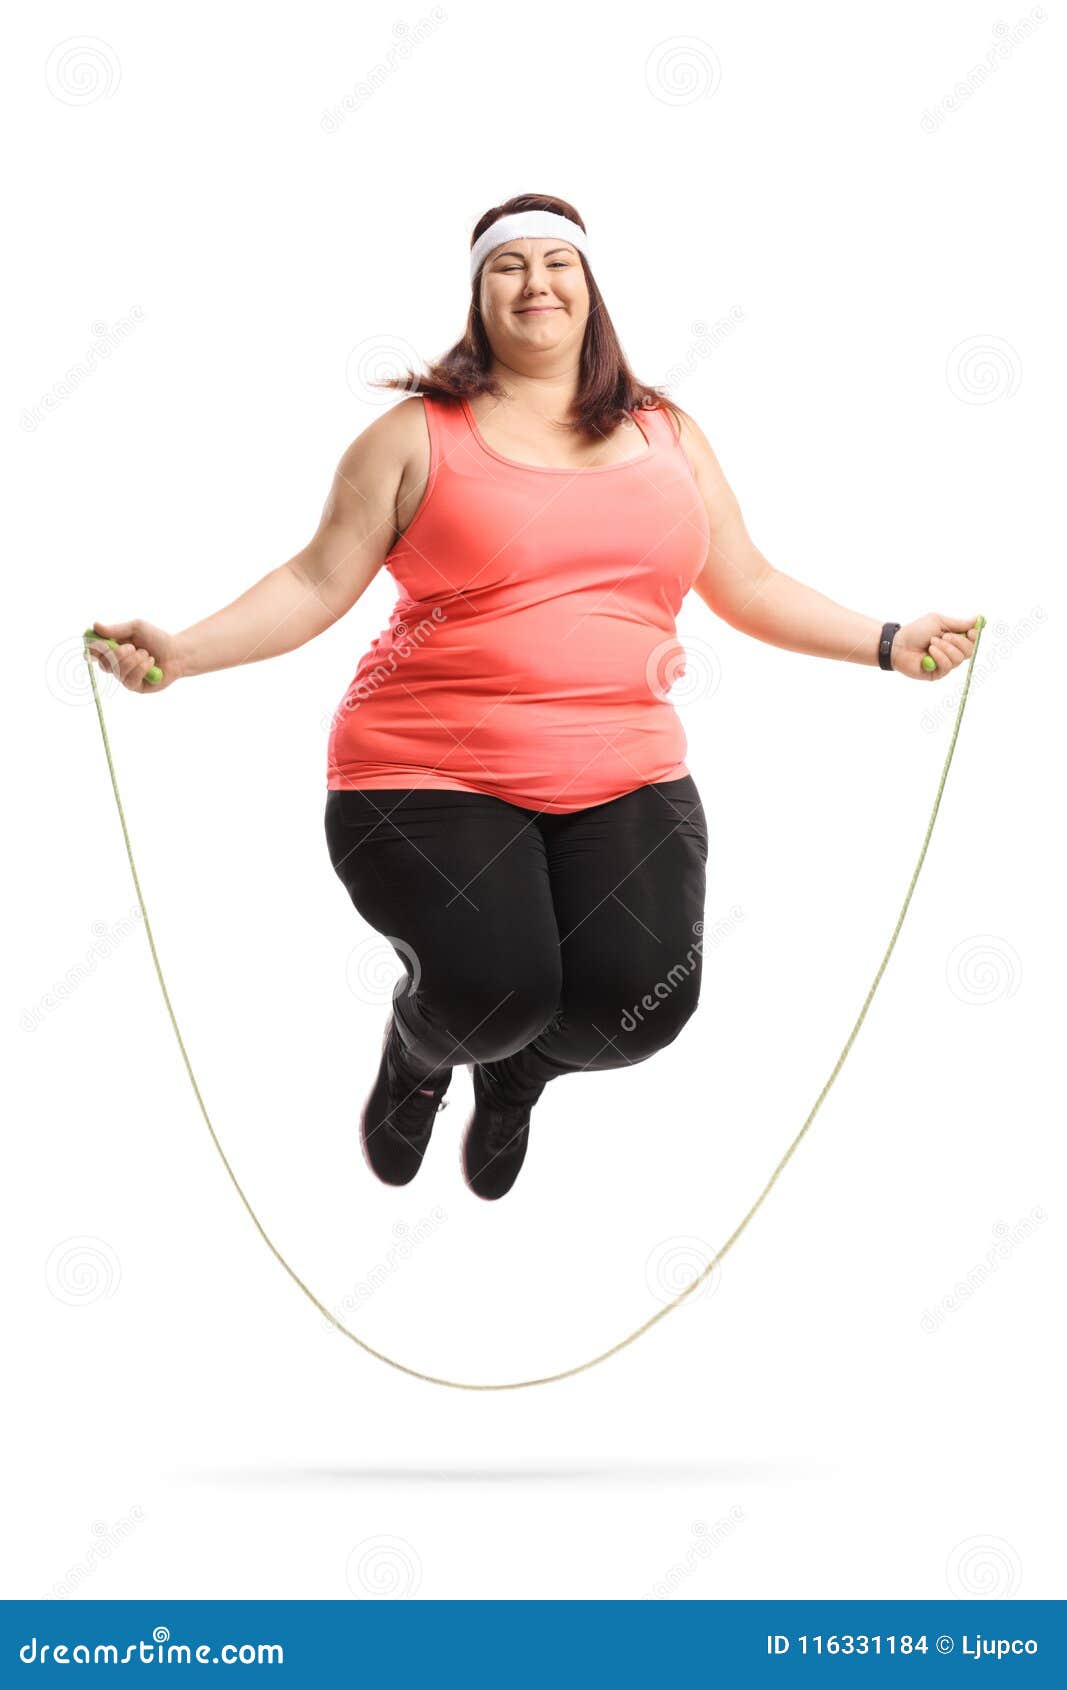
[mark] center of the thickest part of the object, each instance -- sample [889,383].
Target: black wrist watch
[885,645]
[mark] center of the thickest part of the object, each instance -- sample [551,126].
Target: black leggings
[536,944]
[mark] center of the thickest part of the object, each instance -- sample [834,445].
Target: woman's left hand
[949,640]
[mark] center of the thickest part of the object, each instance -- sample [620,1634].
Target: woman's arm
[740,585]
[302,597]
[307,594]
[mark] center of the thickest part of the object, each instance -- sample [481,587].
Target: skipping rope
[594,1361]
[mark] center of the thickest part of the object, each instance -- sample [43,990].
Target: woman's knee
[489,1018]
[653,1019]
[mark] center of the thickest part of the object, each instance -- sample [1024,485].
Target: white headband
[524,224]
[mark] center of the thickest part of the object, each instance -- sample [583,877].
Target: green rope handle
[152,676]
[594,1361]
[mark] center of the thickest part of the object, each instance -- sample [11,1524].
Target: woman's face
[534,298]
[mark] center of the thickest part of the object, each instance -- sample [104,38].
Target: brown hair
[607,387]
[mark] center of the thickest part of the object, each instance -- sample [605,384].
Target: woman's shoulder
[671,415]
[690,437]
[393,451]
[675,416]
[403,433]
[405,423]
[416,420]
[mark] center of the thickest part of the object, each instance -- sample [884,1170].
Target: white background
[856,1407]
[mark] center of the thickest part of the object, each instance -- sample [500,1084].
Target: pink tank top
[532,641]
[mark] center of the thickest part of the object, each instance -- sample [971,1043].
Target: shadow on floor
[619,1472]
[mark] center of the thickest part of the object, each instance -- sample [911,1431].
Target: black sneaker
[397,1119]
[494,1145]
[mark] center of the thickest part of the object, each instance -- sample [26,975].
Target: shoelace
[413,1116]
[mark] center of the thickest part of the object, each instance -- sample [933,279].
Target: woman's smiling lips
[536,310]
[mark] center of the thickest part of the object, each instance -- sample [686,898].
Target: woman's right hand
[139,646]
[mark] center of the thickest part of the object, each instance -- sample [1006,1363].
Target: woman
[507,796]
